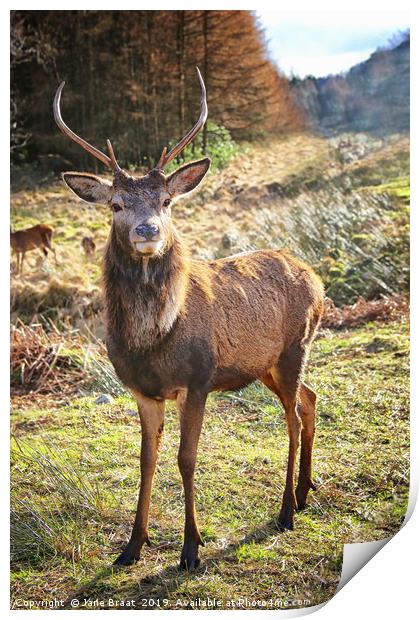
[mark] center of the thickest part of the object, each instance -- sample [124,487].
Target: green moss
[399,187]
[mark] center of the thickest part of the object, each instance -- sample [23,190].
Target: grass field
[75,480]
[75,464]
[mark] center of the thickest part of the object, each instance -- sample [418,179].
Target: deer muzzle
[146,239]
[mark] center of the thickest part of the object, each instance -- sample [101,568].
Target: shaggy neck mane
[144,297]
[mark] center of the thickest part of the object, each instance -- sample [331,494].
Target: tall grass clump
[52,499]
[357,241]
[103,377]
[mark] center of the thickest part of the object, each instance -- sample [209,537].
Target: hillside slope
[372,96]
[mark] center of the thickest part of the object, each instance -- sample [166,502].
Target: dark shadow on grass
[162,584]
[88,589]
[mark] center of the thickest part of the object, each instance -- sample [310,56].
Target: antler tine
[114,163]
[108,161]
[160,164]
[189,137]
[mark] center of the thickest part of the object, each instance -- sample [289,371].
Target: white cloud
[320,65]
[357,19]
[328,41]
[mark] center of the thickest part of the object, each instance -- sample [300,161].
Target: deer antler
[111,161]
[165,158]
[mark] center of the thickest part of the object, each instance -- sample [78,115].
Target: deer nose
[147,231]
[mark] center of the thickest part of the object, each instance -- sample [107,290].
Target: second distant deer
[89,246]
[22,241]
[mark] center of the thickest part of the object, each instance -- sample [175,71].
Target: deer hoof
[301,504]
[285,522]
[301,495]
[126,558]
[188,564]
[302,491]
[189,557]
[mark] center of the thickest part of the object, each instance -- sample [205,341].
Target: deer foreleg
[191,419]
[151,417]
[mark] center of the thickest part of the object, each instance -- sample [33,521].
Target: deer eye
[116,207]
[167,202]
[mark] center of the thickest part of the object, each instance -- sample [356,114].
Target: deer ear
[88,187]
[188,177]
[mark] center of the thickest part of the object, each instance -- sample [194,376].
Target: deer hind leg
[306,410]
[284,380]
[45,252]
[151,413]
[48,244]
[17,265]
[20,265]
[191,410]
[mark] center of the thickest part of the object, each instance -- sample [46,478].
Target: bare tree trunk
[152,69]
[181,70]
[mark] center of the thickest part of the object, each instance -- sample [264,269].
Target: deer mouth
[149,248]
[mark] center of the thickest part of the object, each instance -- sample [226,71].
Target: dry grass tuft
[54,299]
[46,363]
[54,364]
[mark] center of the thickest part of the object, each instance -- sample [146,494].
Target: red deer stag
[38,236]
[179,328]
[89,246]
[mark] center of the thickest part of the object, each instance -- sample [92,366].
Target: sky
[320,42]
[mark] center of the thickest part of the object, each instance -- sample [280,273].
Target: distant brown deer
[89,246]
[38,236]
[179,328]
